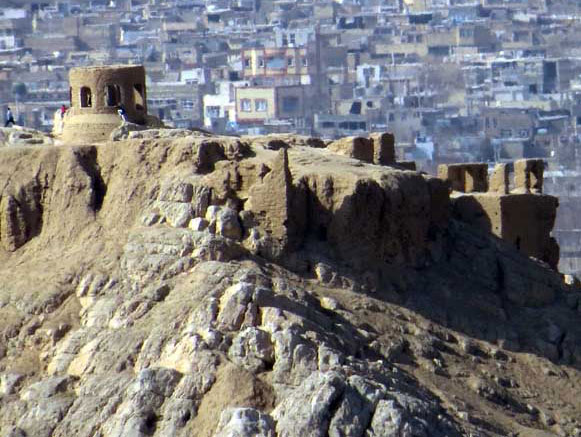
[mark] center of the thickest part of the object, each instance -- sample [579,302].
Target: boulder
[244,422]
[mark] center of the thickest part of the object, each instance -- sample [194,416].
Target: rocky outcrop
[21,136]
[211,286]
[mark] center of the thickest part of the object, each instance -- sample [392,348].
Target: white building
[220,108]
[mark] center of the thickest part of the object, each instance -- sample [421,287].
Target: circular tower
[97,94]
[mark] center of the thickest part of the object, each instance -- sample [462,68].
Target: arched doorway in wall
[112,95]
[86,97]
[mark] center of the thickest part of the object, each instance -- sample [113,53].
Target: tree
[19,90]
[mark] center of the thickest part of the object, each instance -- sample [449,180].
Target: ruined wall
[523,216]
[466,178]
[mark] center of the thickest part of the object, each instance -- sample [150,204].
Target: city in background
[455,81]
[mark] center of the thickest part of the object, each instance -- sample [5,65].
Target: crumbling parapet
[354,147]
[378,149]
[528,176]
[522,216]
[383,148]
[465,178]
[499,180]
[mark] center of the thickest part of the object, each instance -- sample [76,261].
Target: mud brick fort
[516,211]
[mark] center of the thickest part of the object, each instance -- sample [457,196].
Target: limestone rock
[354,411]
[9,383]
[244,422]
[228,225]
[125,130]
[198,224]
[307,411]
[176,214]
[252,349]
[22,136]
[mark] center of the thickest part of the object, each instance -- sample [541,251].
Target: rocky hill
[178,284]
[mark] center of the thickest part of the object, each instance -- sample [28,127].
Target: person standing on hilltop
[9,118]
[122,113]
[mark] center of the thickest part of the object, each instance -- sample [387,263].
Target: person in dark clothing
[122,113]
[9,118]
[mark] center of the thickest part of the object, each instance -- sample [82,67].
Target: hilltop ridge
[176,283]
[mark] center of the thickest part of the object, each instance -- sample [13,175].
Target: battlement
[520,214]
[473,177]
[466,178]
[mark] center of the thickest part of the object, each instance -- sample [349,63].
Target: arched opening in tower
[86,97]
[112,95]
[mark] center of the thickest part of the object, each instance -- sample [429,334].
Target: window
[328,125]
[305,62]
[292,38]
[275,63]
[112,95]
[466,33]
[506,133]
[213,111]
[260,105]
[86,97]
[524,133]
[138,97]
[290,61]
[290,104]
[391,117]
[245,105]
[261,61]
[246,62]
